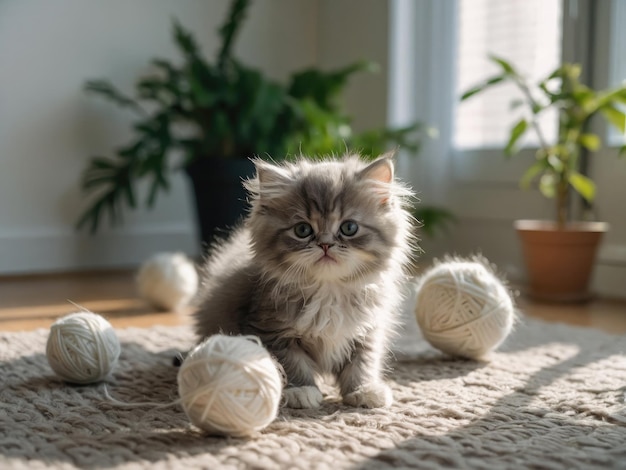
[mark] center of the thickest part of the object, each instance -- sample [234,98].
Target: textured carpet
[553,397]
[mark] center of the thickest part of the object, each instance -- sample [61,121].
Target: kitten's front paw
[303,397]
[377,395]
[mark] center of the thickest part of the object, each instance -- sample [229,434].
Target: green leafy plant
[222,109]
[328,128]
[556,166]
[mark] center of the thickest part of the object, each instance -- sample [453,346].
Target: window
[525,32]
[443,53]
[617,65]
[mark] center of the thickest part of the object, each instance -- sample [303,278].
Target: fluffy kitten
[315,272]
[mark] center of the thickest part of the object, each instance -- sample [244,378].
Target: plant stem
[562,190]
[533,104]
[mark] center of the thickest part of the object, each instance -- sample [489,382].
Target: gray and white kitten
[315,272]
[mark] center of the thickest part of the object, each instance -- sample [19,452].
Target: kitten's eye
[303,230]
[349,228]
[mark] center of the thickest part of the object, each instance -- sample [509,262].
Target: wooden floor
[31,302]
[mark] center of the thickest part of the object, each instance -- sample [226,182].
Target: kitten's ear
[380,172]
[271,178]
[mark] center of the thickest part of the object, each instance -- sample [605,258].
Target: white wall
[49,126]
[351,30]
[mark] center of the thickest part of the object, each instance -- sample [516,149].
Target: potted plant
[559,254]
[208,118]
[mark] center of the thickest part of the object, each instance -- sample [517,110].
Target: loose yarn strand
[139,404]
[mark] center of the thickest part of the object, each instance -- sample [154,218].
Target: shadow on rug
[553,397]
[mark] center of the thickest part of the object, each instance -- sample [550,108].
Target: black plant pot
[220,198]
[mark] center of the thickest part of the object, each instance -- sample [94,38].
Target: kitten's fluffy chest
[331,320]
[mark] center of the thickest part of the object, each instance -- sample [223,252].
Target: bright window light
[527,33]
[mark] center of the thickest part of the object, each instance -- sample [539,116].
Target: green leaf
[583,94]
[611,96]
[132,151]
[105,202]
[93,182]
[517,131]
[107,90]
[325,87]
[154,190]
[494,80]
[228,31]
[583,185]
[472,91]
[185,40]
[622,151]
[531,173]
[572,71]
[556,163]
[547,185]
[158,89]
[615,117]
[552,96]
[110,181]
[620,94]
[130,196]
[482,86]
[89,217]
[589,141]
[102,163]
[506,66]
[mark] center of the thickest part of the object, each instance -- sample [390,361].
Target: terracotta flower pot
[559,261]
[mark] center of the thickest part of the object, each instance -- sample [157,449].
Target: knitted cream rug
[552,397]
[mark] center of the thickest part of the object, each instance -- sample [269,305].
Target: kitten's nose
[326,246]
[325,241]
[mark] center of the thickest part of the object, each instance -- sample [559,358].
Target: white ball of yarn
[168,281]
[463,309]
[230,385]
[82,347]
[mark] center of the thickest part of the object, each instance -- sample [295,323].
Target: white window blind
[527,33]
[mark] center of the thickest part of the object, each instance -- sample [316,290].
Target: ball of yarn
[168,281]
[463,309]
[82,347]
[230,385]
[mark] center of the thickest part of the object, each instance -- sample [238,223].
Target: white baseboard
[57,251]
